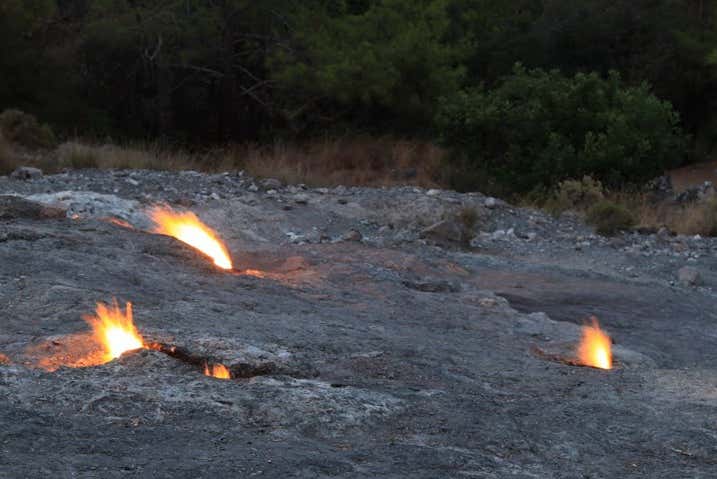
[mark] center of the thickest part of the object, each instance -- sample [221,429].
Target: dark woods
[216,71]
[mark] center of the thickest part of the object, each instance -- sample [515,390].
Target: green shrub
[610,218]
[538,128]
[24,129]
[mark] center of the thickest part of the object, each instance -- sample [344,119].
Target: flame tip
[218,371]
[188,228]
[595,347]
[114,329]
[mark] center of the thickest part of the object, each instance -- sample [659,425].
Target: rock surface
[689,276]
[26,173]
[391,357]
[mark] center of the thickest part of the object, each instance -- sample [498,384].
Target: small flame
[120,222]
[218,371]
[114,330]
[186,227]
[595,347]
[254,272]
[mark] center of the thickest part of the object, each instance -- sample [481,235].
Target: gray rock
[490,202]
[15,207]
[301,199]
[88,204]
[503,235]
[406,337]
[445,231]
[433,286]
[689,276]
[313,236]
[271,184]
[664,234]
[698,193]
[660,188]
[352,235]
[26,173]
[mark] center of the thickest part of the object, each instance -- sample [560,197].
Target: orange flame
[186,227]
[114,330]
[218,371]
[120,222]
[595,348]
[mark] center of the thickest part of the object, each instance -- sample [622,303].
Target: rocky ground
[408,333]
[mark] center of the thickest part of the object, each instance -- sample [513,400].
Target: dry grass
[7,160]
[624,206]
[350,162]
[691,219]
[77,155]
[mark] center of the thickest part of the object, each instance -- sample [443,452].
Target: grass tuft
[7,159]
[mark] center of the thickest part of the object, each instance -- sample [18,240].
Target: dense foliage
[245,70]
[539,128]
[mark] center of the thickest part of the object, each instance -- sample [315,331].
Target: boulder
[490,203]
[271,184]
[689,276]
[301,199]
[14,207]
[352,235]
[26,173]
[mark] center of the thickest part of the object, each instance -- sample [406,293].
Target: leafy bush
[24,129]
[610,218]
[538,128]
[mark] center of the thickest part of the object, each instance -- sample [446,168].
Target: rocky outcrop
[362,349]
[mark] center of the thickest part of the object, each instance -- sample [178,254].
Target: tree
[540,127]
[23,63]
[379,65]
[176,61]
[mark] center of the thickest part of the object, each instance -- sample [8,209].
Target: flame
[186,227]
[114,330]
[254,272]
[120,222]
[218,371]
[595,347]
